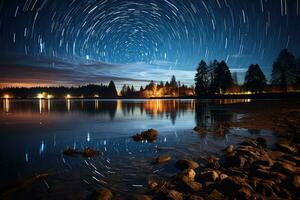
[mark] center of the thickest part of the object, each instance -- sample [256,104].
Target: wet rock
[190,184]
[235,161]
[229,149]
[141,197]
[88,152]
[288,148]
[186,164]
[173,195]
[149,135]
[152,184]
[209,176]
[190,173]
[213,162]
[231,185]
[70,152]
[104,194]
[223,176]
[261,142]
[195,197]
[244,194]
[215,195]
[296,181]
[249,142]
[285,168]
[162,159]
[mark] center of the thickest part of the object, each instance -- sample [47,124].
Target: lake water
[34,133]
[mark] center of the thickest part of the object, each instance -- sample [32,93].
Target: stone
[235,161]
[70,152]
[200,129]
[296,181]
[191,184]
[149,135]
[244,193]
[213,162]
[286,168]
[287,148]
[261,142]
[215,195]
[173,195]
[229,149]
[142,197]
[104,194]
[190,173]
[209,176]
[186,164]
[162,159]
[88,152]
[195,197]
[231,185]
[152,184]
[223,176]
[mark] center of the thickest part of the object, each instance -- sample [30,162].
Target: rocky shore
[250,170]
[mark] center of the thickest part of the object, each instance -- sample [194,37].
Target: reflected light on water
[96,104]
[6,105]
[68,104]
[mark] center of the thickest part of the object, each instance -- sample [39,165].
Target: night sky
[61,42]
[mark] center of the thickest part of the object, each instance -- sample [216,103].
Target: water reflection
[205,116]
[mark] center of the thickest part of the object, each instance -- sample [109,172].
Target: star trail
[146,35]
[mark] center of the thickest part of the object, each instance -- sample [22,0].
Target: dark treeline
[105,91]
[216,78]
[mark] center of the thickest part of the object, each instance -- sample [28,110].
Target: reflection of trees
[169,108]
[212,116]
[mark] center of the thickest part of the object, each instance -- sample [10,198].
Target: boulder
[190,184]
[229,149]
[162,159]
[215,195]
[104,194]
[235,161]
[152,184]
[296,182]
[88,152]
[141,197]
[195,197]
[231,185]
[173,195]
[285,168]
[244,194]
[186,164]
[149,135]
[287,148]
[223,176]
[209,176]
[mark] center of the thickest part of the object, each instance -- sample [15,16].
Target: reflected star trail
[145,38]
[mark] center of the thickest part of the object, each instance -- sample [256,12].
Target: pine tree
[222,79]
[282,73]
[201,79]
[255,80]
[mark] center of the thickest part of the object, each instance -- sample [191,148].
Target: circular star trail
[179,32]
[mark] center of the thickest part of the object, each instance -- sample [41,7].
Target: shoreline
[289,95]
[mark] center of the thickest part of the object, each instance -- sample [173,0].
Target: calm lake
[34,133]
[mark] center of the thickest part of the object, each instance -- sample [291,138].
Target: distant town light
[96,95]
[40,96]
[6,96]
[68,96]
[49,96]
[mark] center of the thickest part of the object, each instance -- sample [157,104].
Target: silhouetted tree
[297,73]
[112,91]
[282,69]
[201,79]
[173,82]
[255,80]
[222,79]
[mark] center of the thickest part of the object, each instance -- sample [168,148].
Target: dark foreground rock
[248,171]
[87,152]
[103,194]
[149,135]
